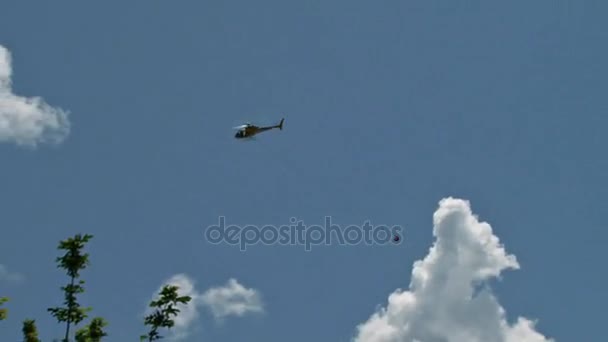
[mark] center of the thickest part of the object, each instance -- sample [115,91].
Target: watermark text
[297,233]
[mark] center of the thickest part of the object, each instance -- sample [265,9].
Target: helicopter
[248,130]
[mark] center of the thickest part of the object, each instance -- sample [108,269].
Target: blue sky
[389,108]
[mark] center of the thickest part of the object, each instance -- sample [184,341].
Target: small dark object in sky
[248,130]
[396,238]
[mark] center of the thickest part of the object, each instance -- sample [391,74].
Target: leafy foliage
[93,332]
[3,311]
[166,310]
[30,332]
[73,262]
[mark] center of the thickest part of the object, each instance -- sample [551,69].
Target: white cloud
[27,121]
[443,303]
[5,275]
[232,299]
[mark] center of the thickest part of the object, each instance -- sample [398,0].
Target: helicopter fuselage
[250,131]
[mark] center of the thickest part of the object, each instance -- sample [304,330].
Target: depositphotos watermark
[297,233]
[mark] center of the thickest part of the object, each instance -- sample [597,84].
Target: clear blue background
[389,107]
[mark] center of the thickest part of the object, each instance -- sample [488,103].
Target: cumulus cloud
[233,299]
[448,299]
[27,121]
[5,275]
